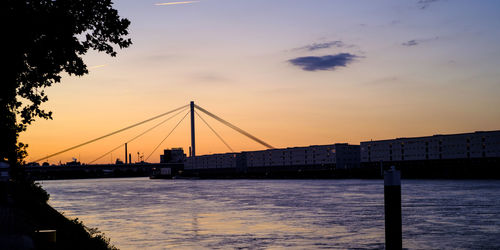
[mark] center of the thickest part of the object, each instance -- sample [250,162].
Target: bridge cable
[225,143]
[112,133]
[241,131]
[167,135]
[146,131]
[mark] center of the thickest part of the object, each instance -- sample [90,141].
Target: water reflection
[299,214]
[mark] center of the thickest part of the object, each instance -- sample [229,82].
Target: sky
[290,72]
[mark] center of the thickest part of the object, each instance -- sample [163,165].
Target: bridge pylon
[193,142]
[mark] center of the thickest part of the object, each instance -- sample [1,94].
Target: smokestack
[126,153]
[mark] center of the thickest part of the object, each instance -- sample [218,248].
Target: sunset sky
[290,72]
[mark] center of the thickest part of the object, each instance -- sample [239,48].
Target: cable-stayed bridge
[316,161]
[190,109]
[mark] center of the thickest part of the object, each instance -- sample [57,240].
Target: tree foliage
[41,39]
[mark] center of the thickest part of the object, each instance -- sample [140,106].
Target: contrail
[97,66]
[173,3]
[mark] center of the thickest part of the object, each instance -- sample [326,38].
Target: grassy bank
[27,210]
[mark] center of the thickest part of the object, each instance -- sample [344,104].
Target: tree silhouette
[41,39]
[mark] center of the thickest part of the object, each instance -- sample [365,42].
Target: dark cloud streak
[424,4]
[410,43]
[329,62]
[416,42]
[325,45]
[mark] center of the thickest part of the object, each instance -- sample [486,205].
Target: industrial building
[174,155]
[480,144]
[213,161]
[340,155]
[467,155]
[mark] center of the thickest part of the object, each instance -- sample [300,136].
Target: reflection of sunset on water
[297,214]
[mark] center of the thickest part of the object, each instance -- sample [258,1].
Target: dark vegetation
[40,40]
[29,201]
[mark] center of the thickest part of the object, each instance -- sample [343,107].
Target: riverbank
[24,212]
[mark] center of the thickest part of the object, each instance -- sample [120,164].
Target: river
[278,214]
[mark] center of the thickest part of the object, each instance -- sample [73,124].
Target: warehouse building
[214,161]
[340,155]
[480,144]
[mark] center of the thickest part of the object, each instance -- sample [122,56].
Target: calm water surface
[277,214]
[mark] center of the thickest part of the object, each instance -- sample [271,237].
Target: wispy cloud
[416,42]
[329,62]
[96,66]
[410,43]
[325,45]
[175,3]
[424,4]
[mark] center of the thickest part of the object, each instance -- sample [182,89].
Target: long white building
[340,155]
[481,144]
[228,160]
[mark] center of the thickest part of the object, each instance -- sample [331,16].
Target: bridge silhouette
[191,109]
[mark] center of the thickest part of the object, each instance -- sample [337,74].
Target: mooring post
[392,205]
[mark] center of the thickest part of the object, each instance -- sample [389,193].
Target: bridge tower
[193,151]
